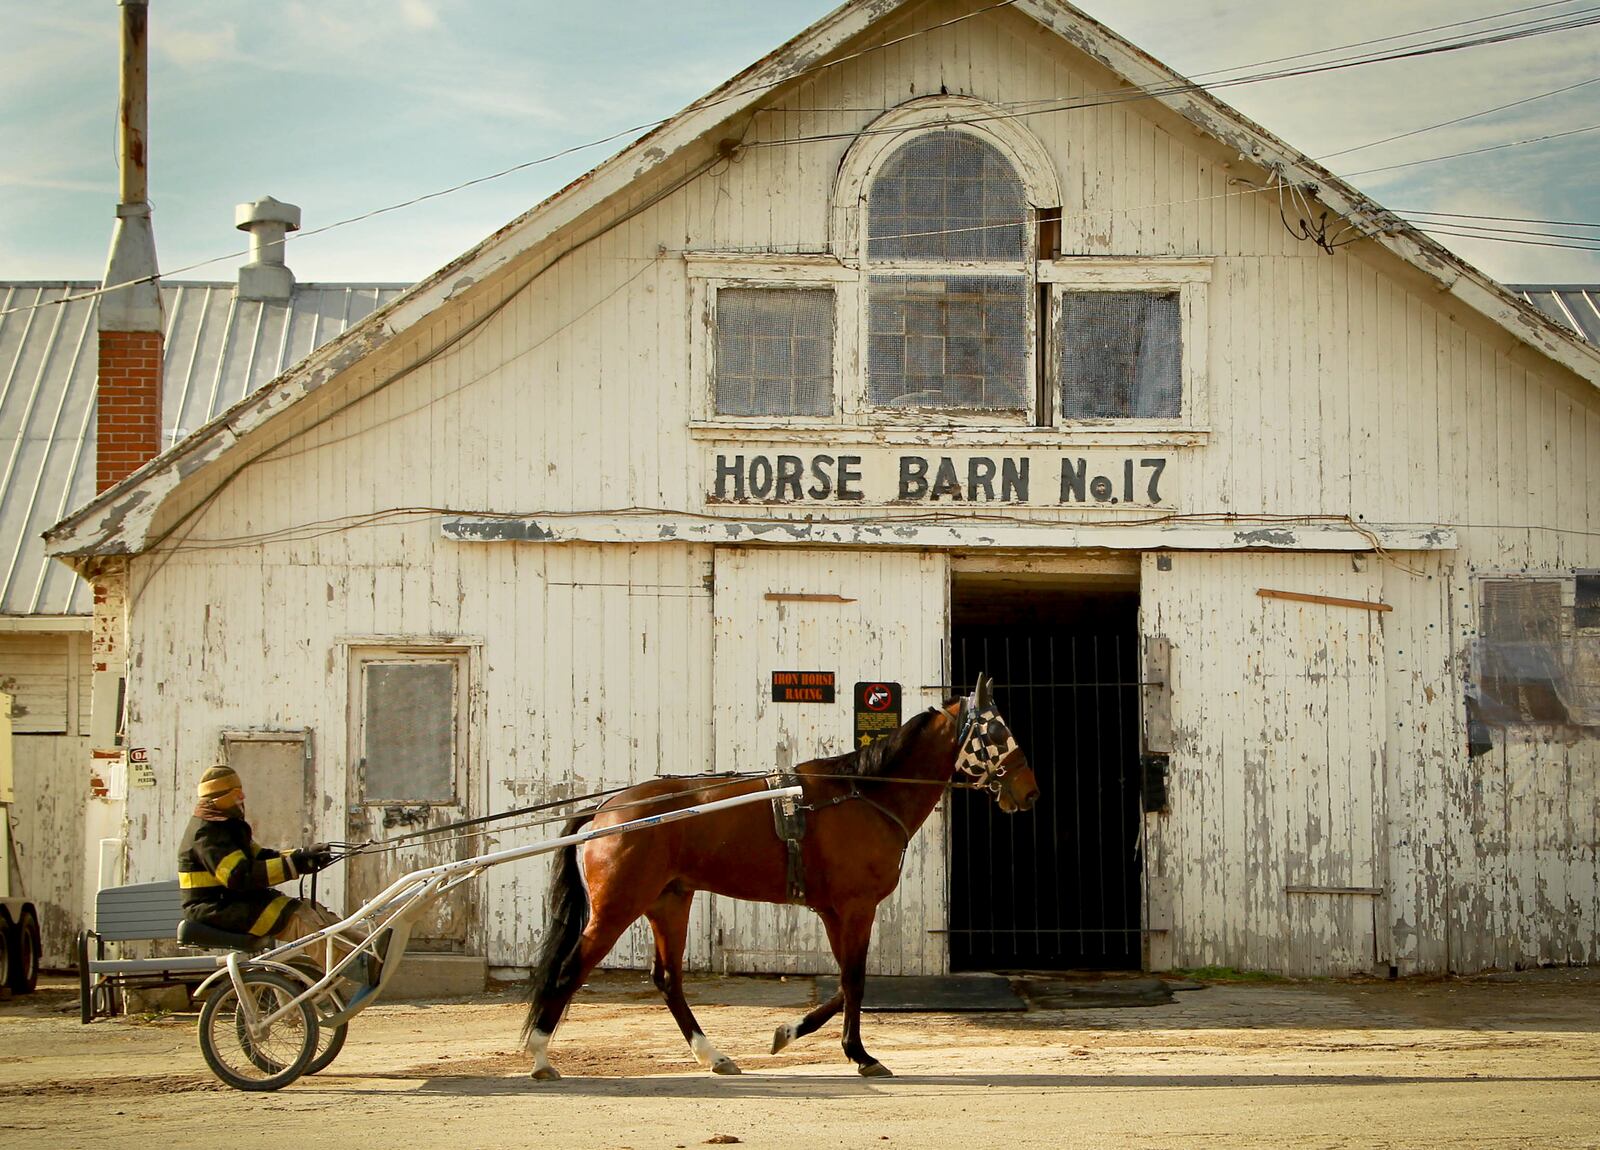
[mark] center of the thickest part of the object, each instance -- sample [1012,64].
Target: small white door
[865,617]
[410,771]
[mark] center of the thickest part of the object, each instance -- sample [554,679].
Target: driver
[227,879]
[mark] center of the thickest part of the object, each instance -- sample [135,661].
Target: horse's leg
[855,934]
[669,918]
[607,919]
[818,1015]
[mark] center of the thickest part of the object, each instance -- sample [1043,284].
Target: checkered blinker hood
[985,739]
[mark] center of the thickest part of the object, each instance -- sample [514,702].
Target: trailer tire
[25,946]
[5,954]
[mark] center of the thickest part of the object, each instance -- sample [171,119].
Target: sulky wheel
[262,1061]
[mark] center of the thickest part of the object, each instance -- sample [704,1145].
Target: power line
[1474,151]
[1459,119]
[1580,18]
[1503,219]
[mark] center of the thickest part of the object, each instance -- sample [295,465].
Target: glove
[311,859]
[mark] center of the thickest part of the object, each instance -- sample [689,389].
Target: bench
[144,912]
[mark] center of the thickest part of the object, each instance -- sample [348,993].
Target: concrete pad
[424,975]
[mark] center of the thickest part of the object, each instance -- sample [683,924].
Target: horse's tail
[555,966]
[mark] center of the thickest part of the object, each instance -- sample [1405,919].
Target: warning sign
[802,686]
[877,711]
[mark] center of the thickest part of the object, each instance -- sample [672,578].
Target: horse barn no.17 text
[1036,478]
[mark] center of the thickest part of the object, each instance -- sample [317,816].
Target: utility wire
[1458,119]
[1474,151]
[1565,22]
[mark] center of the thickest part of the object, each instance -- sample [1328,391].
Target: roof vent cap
[266,277]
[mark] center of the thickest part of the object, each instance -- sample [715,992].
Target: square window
[1121,355]
[774,351]
[954,342]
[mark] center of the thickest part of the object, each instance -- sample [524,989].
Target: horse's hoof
[874,1070]
[725,1066]
[546,1074]
[781,1037]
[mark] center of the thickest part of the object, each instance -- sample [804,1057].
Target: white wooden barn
[931,343]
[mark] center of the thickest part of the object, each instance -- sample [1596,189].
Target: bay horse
[862,809]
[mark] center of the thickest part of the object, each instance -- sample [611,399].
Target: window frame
[864,161]
[711,272]
[463,661]
[1189,279]
[1571,633]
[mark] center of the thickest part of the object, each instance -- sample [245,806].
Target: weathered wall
[47,830]
[1339,385]
[49,674]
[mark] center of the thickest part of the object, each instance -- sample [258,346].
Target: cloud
[419,14]
[197,46]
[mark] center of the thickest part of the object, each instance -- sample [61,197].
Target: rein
[344,850]
[978,756]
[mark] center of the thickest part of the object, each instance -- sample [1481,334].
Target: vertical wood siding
[1338,385]
[892,626]
[1277,773]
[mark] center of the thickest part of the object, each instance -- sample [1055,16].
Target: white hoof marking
[710,1057]
[539,1047]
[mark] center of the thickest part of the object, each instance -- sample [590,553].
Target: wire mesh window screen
[1121,355]
[948,341]
[1537,662]
[774,351]
[410,733]
[947,196]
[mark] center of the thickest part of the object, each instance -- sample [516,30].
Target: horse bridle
[985,742]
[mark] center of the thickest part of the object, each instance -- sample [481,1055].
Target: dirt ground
[1504,1061]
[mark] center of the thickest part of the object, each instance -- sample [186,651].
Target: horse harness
[984,743]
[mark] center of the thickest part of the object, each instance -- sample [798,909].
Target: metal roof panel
[218,350]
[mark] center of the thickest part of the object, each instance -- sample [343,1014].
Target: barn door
[410,770]
[1271,853]
[866,618]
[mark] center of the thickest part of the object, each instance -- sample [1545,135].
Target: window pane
[1522,671]
[948,341]
[410,733]
[947,195]
[1121,355]
[774,351]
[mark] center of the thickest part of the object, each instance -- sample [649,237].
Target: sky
[344,106]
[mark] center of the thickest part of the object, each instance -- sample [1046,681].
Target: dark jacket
[227,879]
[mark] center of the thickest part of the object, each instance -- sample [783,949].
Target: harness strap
[855,793]
[789,821]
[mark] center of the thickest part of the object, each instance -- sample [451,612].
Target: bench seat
[139,912]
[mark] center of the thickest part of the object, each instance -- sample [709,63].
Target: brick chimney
[128,412]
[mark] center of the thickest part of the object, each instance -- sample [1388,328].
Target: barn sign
[802,686]
[1018,478]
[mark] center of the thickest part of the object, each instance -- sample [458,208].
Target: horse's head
[988,753]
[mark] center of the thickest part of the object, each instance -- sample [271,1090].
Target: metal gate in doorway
[1058,887]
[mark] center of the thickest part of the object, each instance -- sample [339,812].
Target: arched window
[949,279]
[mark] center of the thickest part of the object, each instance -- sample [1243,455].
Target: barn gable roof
[120,520]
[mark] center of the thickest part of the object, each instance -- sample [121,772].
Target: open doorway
[1060,887]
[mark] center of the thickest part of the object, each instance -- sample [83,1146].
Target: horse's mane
[879,757]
